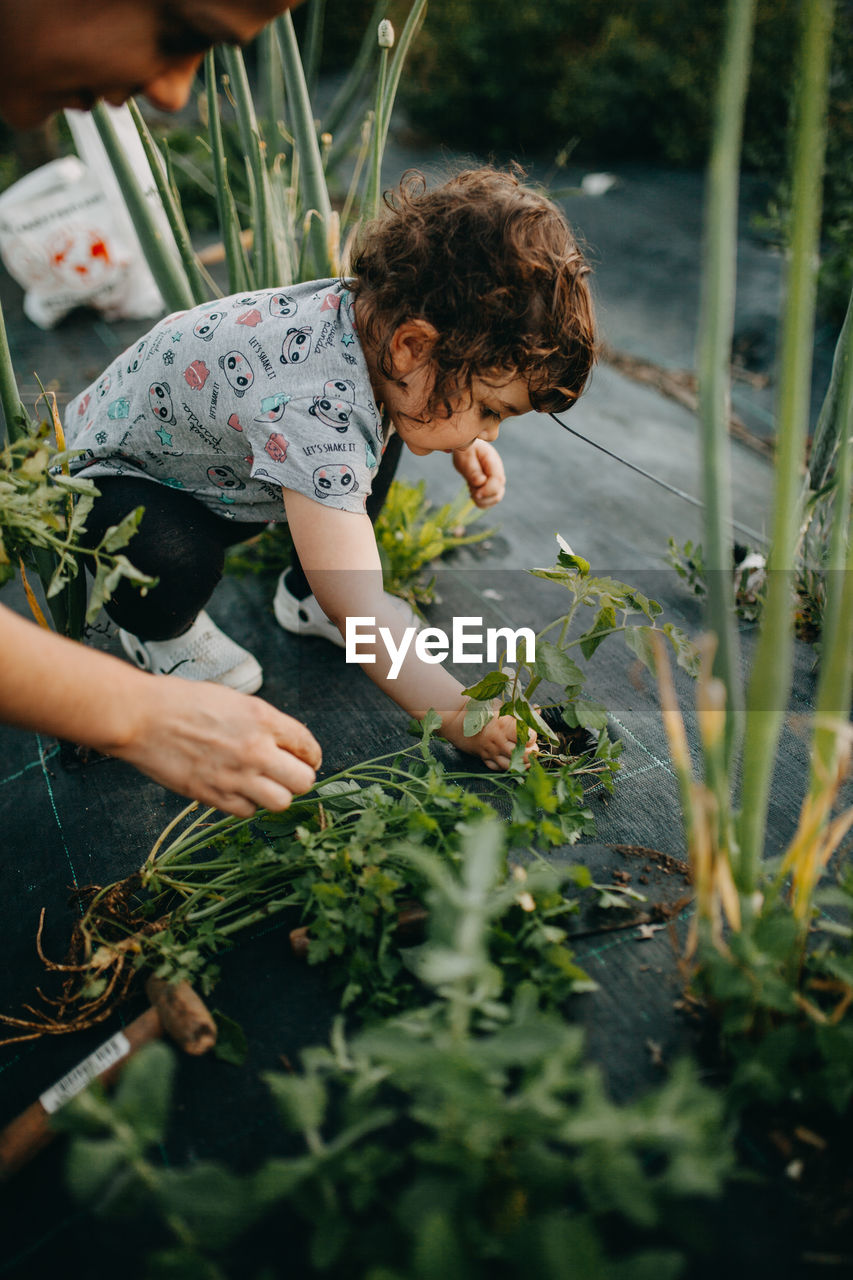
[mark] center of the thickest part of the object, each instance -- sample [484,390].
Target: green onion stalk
[17,418]
[320,221]
[411,27]
[162,258]
[826,438]
[385,38]
[270,265]
[772,670]
[713,353]
[313,42]
[241,277]
[203,288]
[835,683]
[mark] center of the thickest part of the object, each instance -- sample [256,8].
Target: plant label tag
[110,1052]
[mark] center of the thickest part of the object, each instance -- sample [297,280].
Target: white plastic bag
[67,238]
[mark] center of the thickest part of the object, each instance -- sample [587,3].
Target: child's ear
[411,345]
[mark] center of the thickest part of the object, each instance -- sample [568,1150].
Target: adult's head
[69,53]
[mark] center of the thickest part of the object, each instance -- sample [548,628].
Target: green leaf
[490,686]
[231,1043]
[92,1165]
[554,664]
[477,716]
[144,1091]
[301,1100]
[527,713]
[585,714]
[215,1203]
[570,561]
[686,653]
[118,535]
[639,642]
[605,621]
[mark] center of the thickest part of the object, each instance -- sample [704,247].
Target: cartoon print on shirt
[281,304]
[119,408]
[315,427]
[296,347]
[196,374]
[272,407]
[276,447]
[83,405]
[136,358]
[334,407]
[334,481]
[208,324]
[160,402]
[238,371]
[224,478]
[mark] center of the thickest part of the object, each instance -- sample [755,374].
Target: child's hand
[494,744]
[481,467]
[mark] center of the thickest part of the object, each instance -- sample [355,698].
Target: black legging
[182,543]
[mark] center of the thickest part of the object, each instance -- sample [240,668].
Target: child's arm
[337,550]
[202,740]
[481,467]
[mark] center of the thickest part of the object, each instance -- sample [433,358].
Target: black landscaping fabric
[65,825]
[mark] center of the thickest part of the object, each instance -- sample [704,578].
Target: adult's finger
[296,738]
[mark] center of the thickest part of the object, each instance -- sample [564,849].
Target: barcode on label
[112,1050]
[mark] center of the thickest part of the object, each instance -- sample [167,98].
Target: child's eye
[486,412]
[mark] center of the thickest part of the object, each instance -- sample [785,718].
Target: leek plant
[294,231]
[755,923]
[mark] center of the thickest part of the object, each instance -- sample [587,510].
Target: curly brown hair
[494,268]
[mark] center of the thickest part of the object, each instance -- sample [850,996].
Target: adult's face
[70,53]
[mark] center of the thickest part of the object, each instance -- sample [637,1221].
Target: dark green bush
[633,81]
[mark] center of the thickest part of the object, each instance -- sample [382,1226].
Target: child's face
[476,415]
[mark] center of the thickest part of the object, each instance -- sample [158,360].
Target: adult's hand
[226,749]
[202,740]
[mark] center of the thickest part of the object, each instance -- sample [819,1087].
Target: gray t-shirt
[236,398]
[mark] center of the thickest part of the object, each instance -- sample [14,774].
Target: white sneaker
[303,617]
[306,618]
[202,653]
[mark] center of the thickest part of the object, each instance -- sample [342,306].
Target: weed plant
[411,534]
[465,1136]
[774,969]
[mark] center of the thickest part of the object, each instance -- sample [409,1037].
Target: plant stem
[240,275]
[830,421]
[313,179]
[267,273]
[17,418]
[716,328]
[163,260]
[314,42]
[770,680]
[199,286]
[836,663]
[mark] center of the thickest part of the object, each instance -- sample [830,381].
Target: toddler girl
[466,304]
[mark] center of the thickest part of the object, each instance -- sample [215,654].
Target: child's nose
[171,89]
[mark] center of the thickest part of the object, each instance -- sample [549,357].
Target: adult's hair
[494,267]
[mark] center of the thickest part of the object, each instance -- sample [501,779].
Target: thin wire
[647,475]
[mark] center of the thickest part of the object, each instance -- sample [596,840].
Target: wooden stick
[29,1132]
[175,1009]
[183,1014]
